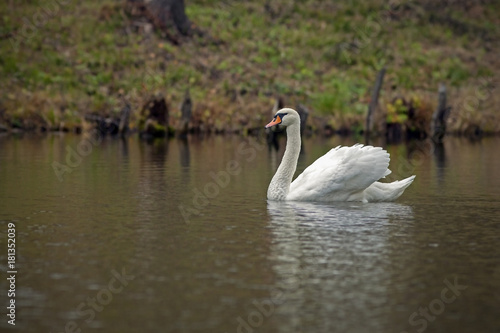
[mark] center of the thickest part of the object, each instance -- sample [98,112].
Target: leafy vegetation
[86,57]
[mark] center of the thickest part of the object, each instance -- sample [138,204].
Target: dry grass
[91,56]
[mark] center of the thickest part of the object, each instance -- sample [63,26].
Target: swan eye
[277,119]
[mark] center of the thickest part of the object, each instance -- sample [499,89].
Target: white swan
[342,174]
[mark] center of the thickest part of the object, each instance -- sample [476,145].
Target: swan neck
[292,149]
[280,184]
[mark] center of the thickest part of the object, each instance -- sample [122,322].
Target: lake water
[175,236]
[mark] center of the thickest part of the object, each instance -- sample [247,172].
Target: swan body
[342,174]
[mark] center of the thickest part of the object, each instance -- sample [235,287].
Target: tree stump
[167,16]
[154,116]
[105,125]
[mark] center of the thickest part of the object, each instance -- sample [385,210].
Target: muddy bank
[401,118]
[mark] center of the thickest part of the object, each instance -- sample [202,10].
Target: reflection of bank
[151,193]
[184,154]
[419,151]
[331,262]
[422,157]
[440,160]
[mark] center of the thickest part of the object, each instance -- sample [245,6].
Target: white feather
[342,174]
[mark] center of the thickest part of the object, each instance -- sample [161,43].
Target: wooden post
[303,113]
[271,134]
[124,119]
[438,122]
[374,102]
[186,110]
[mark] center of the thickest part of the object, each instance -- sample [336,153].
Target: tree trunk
[168,16]
[167,11]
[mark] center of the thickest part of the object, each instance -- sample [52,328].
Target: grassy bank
[89,57]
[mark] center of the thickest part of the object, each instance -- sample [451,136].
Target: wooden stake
[374,102]
[438,122]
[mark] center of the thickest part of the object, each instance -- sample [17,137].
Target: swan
[342,174]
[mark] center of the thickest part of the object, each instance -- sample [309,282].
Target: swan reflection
[343,213]
[333,260]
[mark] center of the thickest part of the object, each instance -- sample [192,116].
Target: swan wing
[340,174]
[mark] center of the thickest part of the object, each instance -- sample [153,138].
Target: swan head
[285,117]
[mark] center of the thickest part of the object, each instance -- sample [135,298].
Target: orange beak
[274,122]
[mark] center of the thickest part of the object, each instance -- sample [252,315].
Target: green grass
[319,53]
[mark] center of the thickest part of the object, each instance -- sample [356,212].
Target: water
[178,237]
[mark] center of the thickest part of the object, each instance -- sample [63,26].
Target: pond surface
[175,236]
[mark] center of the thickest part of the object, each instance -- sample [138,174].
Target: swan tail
[386,191]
